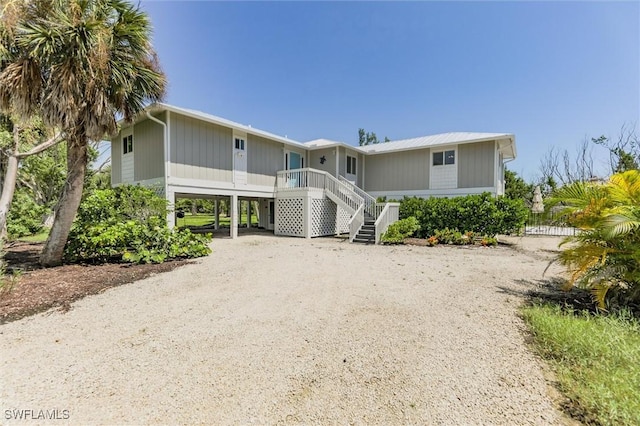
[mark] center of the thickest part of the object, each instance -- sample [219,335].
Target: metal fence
[551,224]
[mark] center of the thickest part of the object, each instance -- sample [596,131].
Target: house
[320,187]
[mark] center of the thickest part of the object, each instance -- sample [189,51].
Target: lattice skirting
[290,217]
[323,217]
[343,221]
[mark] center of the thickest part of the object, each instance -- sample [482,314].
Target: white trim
[210,187]
[287,157]
[425,193]
[338,162]
[496,156]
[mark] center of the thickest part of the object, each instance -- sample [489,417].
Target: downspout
[165,151]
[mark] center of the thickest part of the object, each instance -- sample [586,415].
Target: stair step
[367,232]
[364,240]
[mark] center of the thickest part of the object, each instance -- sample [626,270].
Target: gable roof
[442,139]
[222,122]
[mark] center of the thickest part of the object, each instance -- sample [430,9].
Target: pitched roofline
[160,107]
[509,150]
[507,136]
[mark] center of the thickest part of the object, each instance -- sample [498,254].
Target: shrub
[400,230]
[604,255]
[128,223]
[25,216]
[481,214]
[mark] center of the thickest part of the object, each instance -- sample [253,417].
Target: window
[240,144]
[351,165]
[127,144]
[444,157]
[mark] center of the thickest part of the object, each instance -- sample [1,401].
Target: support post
[171,213]
[216,214]
[234,216]
[249,214]
[307,216]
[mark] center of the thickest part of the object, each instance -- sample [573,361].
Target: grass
[204,219]
[596,359]
[35,238]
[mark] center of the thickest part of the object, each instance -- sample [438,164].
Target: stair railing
[369,201]
[356,222]
[343,192]
[389,214]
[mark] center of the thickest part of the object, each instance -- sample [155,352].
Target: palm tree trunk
[68,204]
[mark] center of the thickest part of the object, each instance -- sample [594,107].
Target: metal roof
[224,122]
[452,138]
[441,139]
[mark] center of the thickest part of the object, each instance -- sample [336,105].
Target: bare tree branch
[43,146]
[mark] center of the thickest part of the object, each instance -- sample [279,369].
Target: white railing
[356,222]
[369,201]
[300,178]
[343,192]
[355,199]
[389,214]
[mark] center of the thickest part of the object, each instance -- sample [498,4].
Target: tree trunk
[7,194]
[9,185]
[68,204]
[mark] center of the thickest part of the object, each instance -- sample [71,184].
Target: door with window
[240,160]
[444,169]
[352,174]
[294,161]
[127,159]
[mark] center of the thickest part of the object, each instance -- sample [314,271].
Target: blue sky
[552,73]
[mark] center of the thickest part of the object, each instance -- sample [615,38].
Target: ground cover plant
[481,214]
[596,359]
[128,223]
[203,219]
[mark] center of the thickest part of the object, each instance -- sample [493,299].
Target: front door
[240,160]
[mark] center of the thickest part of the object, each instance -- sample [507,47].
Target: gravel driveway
[272,330]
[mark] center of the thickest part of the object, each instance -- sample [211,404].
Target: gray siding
[148,150]
[399,171]
[343,164]
[116,160]
[476,164]
[200,150]
[329,165]
[264,159]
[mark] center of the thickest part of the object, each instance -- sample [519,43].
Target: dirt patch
[35,289]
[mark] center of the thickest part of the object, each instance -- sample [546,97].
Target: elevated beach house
[310,189]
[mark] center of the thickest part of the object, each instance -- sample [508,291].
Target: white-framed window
[444,158]
[239,144]
[351,165]
[127,144]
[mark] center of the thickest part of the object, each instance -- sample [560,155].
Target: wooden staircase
[367,233]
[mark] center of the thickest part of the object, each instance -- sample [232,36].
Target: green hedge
[128,223]
[482,214]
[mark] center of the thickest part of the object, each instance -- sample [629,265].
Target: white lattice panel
[323,217]
[289,212]
[343,221]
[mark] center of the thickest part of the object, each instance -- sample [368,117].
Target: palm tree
[605,254]
[79,64]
